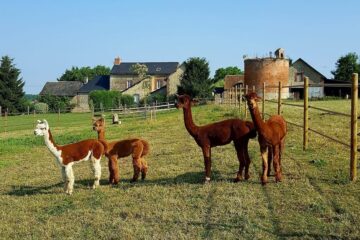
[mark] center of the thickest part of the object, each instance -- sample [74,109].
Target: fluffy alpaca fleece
[136,147]
[271,138]
[217,134]
[67,155]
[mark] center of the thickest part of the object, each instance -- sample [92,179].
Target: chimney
[117,60]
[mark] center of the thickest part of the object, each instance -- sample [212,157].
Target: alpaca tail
[146,147]
[252,130]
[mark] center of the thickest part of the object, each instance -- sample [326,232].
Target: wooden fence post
[236,95]
[306,113]
[279,99]
[240,97]
[263,102]
[246,92]
[354,116]
[6,121]
[0,112]
[58,114]
[28,110]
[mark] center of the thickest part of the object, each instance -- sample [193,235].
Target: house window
[158,84]
[128,83]
[299,77]
[136,98]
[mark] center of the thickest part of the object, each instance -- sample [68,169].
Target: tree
[11,86]
[195,80]
[346,66]
[222,72]
[83,73]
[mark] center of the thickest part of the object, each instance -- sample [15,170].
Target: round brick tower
[269,70]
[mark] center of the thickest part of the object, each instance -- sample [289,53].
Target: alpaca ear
[38,121]
[46,123]
[94,119]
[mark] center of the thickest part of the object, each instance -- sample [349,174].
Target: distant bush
[160,98]
[55,102]
[41,107]
[109,99]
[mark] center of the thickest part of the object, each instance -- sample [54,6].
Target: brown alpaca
[137,148]
[271,136]
[217,134]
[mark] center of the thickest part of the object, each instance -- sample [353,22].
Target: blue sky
[47,37]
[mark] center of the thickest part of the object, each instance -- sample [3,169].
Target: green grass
[314,201]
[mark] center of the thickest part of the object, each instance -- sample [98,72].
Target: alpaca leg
[264,154]
[247,159]
[69,185]
[276,163]
[137,169]
[282,147]
[270,159]
[63,174]
[97,171]
[207,163]
[239,147]
[113,170]
[144,168]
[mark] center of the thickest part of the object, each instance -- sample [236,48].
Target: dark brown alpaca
[217,134]
[137,148]
[271,136]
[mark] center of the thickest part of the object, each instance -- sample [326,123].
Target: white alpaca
[67,155]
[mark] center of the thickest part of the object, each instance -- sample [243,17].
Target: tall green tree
[222,72]
[195,80]
[346,66]
[11,86]
[83,73]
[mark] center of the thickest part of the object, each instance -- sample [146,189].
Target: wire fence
[234,98]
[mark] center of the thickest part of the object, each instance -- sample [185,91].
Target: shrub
[41,107]
[56,102]
[109,99]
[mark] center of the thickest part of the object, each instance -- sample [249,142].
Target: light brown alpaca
[217,134]
[271,136]
[137,148]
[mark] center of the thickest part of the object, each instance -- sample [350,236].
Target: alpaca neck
[258,122]
[49,141]
[189,123]
[101,134]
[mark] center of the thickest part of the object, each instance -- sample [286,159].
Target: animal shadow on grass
[33,190]
[186,178]
[26,190]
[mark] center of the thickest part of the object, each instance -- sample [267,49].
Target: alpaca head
[184,101]
[42,128]
[98,124]
[252,100]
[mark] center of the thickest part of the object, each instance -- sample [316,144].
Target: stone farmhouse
[162,78]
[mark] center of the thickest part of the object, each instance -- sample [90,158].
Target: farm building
[300,69]
[97,83]
[269,70]
[62,89]
[163,77]
[224,94]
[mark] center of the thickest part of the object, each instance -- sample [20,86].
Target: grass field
[314,201]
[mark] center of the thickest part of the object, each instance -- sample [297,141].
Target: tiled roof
[61,88]
[154,68]
[101,82]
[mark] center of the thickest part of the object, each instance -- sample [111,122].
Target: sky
[47,37]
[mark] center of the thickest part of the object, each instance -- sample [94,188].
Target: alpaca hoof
[264,181]
[237,179]
[247,176]
[207,180]
[68,192]
[278,178]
